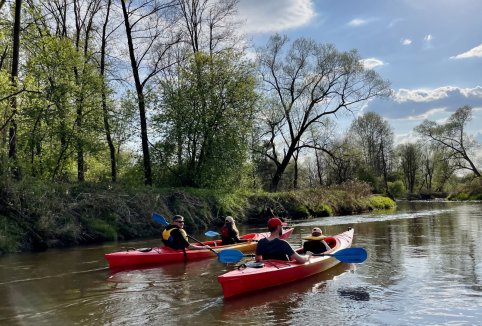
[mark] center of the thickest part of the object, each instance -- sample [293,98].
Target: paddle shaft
[192,238]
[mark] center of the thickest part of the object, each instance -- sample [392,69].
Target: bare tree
[452,135]
[209,25]
[148,40]
[308,82]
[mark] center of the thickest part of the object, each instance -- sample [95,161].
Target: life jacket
[166,234]
[225,232]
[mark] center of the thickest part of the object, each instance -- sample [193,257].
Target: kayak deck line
[162,255]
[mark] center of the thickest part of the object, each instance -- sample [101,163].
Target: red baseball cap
[274,222]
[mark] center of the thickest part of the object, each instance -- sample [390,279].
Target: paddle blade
[350,255]
[156,217]
[211,233]
[231,256]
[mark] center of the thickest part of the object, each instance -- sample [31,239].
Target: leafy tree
[410,164]
[207,119]
[453,137]
[374,137]
[305,83]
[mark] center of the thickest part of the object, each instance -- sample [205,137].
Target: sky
[429,50]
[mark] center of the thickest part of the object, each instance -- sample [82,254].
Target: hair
[177,217]
[272,228]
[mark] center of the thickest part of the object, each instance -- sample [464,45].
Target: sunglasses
[178,221]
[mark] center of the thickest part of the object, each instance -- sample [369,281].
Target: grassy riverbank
[41,216]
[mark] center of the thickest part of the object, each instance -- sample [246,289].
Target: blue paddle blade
[211,234]
[159,219]
[349,255]
[230,256]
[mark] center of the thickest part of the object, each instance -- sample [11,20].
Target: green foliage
[470,190]
[377,202]
[397,188]
[206,122]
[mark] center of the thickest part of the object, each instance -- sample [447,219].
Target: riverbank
[39,216]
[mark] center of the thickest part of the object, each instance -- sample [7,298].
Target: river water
[424,267]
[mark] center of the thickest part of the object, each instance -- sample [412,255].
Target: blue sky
[430,50]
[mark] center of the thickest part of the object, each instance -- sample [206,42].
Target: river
[424,267]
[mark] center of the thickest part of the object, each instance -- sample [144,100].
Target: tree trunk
[12,150]
[110,143]
[140,100]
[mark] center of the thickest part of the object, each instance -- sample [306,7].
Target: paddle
[232,256]
[348,255]
[211,233]
[162,220]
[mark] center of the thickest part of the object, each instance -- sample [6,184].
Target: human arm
[301,258]
[194,247]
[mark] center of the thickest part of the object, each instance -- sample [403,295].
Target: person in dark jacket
[174,236]
[315,242]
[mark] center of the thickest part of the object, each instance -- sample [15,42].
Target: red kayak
[163,255]
[269,273]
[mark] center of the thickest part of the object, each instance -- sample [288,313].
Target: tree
[207,120]
[374,137]
[410,164]
[12,153]
[208,25]
[453,137]
[145,43]
[307,82]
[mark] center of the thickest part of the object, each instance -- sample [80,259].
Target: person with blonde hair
[229,232]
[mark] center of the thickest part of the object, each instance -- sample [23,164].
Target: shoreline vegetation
[35,217]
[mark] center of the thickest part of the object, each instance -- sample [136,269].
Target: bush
[397,188]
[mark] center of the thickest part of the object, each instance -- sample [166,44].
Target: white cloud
[406,41]
[270,16]
[474,52]
[427,114]
[357,22]
[371,63]
[426,95]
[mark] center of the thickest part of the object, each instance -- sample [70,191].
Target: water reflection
[357,294]
[280,302]
[424,267]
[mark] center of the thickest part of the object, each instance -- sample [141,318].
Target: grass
[37,216]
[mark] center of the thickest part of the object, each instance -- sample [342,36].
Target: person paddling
[275,248]
[230,233]
[175,237]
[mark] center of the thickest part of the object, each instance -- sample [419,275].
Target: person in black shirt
[275,248]
[315,242]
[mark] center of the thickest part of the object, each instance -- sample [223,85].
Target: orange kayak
[163,255]
[272,273]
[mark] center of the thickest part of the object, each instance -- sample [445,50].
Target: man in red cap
[275,248]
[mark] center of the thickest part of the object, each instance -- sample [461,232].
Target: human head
[316,232]
[229,220]
[178,220]
[274,222]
